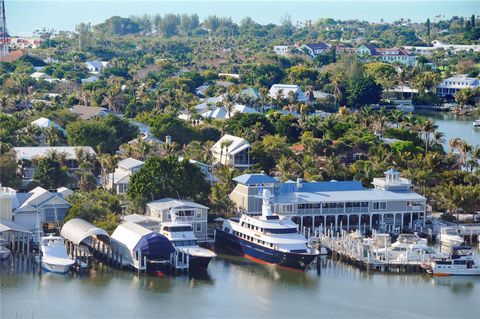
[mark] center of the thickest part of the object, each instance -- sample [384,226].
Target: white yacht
[268,238]
[54,256]
[462,262]
[449,237]
[4,251]
[183,239]
[408,247]
[476,124]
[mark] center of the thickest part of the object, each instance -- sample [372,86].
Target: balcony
[415,208]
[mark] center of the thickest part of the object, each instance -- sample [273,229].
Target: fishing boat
[183,239]
[461,262]
[267,239]
[54,256]
[408,247]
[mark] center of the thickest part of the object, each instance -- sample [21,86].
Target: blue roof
[249,179]
[155,246]
[311,187]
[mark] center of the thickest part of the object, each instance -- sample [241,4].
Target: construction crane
[3,30]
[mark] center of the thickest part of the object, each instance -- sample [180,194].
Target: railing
[416,208]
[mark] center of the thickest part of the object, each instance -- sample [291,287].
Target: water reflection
[458,285]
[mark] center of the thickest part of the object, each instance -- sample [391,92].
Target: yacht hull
[58,269]
[263,254]
[199,262]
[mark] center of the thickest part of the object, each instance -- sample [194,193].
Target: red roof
[12,56]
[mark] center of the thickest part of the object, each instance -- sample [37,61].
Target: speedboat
[183,239]
[449,237]
[408,247]
[267,239]
[54,256]
[462,262]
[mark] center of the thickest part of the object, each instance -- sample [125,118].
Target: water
[453,126]
[237,288]
[24,17]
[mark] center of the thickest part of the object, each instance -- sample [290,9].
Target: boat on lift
[267,239]
[461,262]
[4,251]
[54,256]
[449,236]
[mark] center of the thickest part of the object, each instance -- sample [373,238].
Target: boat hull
[58,269]
[4,255]
[199,262]
[263,254]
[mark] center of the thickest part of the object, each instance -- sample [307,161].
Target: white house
[95,67]
[232,150]
[286,90]
[389,55]
[437,45]
[27,155]
[45,123]
[281,49]
[185,211]
[221,113]
[39,207]
[40,76]
[120,179]
[455,83]
[314,49]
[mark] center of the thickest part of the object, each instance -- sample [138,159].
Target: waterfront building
[286,90]
[232,150]
[26,157]
[184,210]
[390,205]
[452,85]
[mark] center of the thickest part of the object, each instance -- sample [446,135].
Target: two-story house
[232,150]
[314,49]
[453,84]
[119,180]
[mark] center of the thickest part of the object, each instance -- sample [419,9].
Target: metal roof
[167,203]
[77,230]
[6,225]
[29,153]
[250,179]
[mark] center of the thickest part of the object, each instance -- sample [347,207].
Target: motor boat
[449,237]
[4,251]
[53,255]
[461,262]
[408,247]
[476,124]
[267,239]
[183,239]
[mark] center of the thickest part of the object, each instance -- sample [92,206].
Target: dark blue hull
[263,254]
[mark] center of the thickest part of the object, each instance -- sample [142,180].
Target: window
[379,205]
[198,215]
[198,227]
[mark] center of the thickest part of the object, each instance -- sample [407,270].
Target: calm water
[26,16]
[237,288]
[456,126]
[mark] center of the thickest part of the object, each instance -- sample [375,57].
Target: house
[204,168]
[120,179]
[90,79]
[281,49]
[389,55]
[314,49]
[45,123]
[95,67]
[185,211]
[232,150]
[38,207]
[437,45]
[390,206]
[201,91]
[12,56]
[26,157]
[285,91]
[88,112]
[221,113]
[250,93]
[452,85]
[41,76]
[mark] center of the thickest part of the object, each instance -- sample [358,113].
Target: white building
[95,67]
[45,123]
[281,49]
[120,179]
[221,113]
[186,211]
[389,55]
[390,206]
[455,83]
[314,49]
[286,90]
[26,157]
[232,150]
[437,45]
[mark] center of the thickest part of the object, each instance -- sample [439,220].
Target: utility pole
[3,30]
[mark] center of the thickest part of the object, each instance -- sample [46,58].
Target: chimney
[168,139]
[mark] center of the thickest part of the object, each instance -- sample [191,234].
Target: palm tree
[108,163]
[396,116]
[229,103]
[111,99]
[427,127]
[224,145]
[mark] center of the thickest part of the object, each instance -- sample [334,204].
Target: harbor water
[234,287]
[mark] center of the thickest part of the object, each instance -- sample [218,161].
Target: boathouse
[141,246]
[79,231]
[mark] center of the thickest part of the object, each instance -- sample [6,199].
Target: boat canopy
[137,238]
[78,230]
[6,225]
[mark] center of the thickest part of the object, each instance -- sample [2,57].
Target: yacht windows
[180,243]
[174,229]
[280,230]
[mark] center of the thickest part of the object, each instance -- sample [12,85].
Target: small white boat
[408,247]
[4,252]
[476,124]
[54,256]
[462,262]
[449,238]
